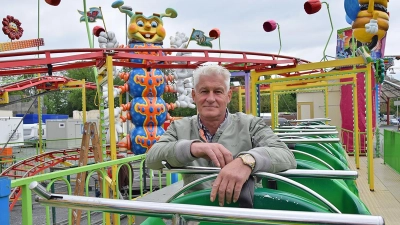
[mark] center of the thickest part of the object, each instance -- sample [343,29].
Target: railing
[179,214]
[61,175]
[182,213]
[347,137]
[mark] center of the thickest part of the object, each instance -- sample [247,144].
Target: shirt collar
[207,133]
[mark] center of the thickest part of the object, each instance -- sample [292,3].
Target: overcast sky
[240,23]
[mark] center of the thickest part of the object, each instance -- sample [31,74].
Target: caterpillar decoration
[147,110]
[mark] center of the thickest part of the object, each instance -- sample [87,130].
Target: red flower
[214,33]
[269,25]
[12,27]
[53,2]
[312,6]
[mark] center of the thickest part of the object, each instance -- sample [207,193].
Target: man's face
[211,97]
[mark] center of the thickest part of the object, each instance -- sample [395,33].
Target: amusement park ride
[321,190]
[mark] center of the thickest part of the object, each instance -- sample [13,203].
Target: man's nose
[210,97]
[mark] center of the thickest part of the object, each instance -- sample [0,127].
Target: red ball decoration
[53,2]
[312,6]
[269,25]
[215,33]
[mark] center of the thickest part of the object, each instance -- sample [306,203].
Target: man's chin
[210,114]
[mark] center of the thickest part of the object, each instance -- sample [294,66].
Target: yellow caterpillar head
[145,29]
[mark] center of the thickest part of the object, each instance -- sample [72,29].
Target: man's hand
[230,182]
[217,153]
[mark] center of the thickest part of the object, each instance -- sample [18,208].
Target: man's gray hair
[211,70]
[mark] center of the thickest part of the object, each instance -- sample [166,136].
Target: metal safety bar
[311,120]
[279,177]
[327,203]
[182,213]
[299,173]
[298,129]
[307,133]
[309,126]
[286,140]
[314,157]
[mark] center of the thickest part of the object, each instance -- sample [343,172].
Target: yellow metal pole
[106,188]
[272,103]
[83,101]
[356,134]
[113,149]
[253,94]
[240,99]
[276,108]
[370,148]
[326,103]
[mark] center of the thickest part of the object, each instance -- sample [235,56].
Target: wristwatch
[248,160]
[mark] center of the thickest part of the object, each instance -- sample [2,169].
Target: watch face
[249,159]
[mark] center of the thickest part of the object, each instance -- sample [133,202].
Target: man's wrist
[248,160]
[190,150]
[192,153]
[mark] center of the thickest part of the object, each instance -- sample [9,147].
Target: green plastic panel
[263,199]
[391,149]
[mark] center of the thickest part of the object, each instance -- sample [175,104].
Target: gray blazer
[240,134]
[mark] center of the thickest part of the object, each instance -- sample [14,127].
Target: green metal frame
[26,192]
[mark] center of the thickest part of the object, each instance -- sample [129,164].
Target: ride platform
[385,199]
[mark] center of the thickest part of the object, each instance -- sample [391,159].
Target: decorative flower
[12,27]
[269,25]
[215,33]
[53,2]
[312,6]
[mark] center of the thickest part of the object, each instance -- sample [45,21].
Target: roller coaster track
[45,83]
[153,58]
[36,164]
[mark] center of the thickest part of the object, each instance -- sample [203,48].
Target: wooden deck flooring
[385,199]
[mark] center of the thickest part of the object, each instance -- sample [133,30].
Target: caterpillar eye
[140,23]
[154,24]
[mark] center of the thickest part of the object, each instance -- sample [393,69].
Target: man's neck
[212,125]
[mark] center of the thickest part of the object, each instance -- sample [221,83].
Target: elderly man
[239,144]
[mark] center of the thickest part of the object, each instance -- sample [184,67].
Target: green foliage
[57,103]
[287,103]
[65,102]
[178,112]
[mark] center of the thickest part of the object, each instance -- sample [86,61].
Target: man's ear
[193,93]
[229,95]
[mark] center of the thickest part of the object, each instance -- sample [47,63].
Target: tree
[65,102]
[56,102]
